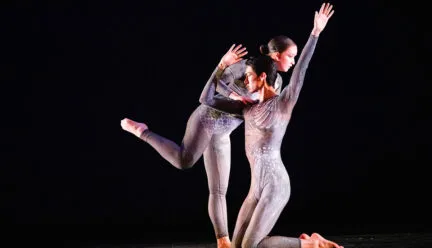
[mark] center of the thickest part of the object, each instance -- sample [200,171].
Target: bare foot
[223,242]
[133,127]
[304,236]
[324,243]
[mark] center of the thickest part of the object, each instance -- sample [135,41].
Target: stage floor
[399,240]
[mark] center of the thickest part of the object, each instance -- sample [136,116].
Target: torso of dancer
[265,126]
[208,133]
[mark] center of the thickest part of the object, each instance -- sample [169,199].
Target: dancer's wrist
[315,32]
[222,66]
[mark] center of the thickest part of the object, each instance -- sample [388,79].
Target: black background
[356,148]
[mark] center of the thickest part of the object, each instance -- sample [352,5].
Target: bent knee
[185,162]
[185,166]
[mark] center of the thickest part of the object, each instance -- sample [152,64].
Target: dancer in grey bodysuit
[208,131]
[265,126]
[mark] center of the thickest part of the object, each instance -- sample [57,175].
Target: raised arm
[223,104]
[208,94]
[289,95]
[227,77]
[228,66]
[234,55]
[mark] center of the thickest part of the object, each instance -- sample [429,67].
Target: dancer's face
[254,82]
[285,60]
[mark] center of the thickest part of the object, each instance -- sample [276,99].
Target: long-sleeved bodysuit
[208,133]
[265,126]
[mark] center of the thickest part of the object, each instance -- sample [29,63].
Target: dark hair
[264,63]
[277,44]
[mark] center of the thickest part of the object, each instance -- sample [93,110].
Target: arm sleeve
[220,103]
[289,95]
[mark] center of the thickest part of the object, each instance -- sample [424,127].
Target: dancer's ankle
[145,134]
[223,242]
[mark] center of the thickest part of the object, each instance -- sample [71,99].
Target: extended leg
[195,140]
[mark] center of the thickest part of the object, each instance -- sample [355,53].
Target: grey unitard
[265,126]
[208,133]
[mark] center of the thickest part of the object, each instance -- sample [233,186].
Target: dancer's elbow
[204,100]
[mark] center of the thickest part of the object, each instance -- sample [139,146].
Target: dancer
[207,131]
[209,127]
[265,126]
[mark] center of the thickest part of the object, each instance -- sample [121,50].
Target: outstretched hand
[321,18]
[234,55]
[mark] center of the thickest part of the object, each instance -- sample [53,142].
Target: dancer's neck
[266,92]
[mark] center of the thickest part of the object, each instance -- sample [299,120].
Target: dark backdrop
[356,147]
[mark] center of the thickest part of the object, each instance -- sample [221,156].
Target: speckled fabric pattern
[265,126]
[207,133]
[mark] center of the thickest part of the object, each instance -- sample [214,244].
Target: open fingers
[322,8]
[237,48]
[331,13]
[231,48]
[241,50]
[328,9]
[242,54]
